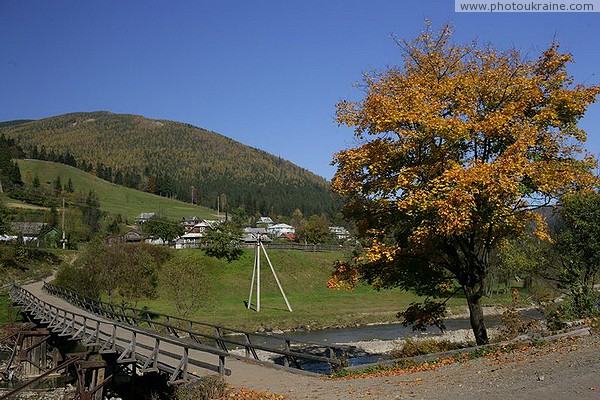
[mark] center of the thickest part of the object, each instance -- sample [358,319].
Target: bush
[19,263]
[414,348]
[81,280]
[207,388]
[573,308]
[513,324]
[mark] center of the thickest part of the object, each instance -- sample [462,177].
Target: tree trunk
[476,317]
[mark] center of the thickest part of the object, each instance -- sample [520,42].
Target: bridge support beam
[34,356]
[91,378]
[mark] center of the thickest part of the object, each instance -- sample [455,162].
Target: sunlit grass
[114,199]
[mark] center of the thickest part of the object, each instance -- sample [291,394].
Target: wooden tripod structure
[256,277]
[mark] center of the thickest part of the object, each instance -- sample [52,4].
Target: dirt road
[568,369]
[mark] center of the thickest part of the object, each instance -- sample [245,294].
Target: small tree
[163,228]
[82,280]
[57,186]
[224,242]
[314,231]
[91,213]
[459,145]
[4,219]
[138,274]
[578,247]
[187,284]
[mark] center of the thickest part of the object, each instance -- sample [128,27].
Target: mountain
[173,159]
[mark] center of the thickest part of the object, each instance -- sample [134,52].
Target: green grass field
[303,276]
[114,199]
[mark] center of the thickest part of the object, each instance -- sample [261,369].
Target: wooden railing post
[286,360]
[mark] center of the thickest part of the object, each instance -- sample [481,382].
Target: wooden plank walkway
[240,373]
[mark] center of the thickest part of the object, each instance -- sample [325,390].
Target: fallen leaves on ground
[248,394]
[495,354]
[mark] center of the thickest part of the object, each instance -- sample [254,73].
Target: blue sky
[267,73]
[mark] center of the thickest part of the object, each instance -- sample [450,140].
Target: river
[380,332]
[393,331]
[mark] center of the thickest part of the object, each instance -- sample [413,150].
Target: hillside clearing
[114,199]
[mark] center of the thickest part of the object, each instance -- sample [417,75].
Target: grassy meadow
[114,199]
[303,276]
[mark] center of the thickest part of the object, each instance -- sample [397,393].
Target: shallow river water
[384,332]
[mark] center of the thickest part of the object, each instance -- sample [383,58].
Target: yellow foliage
[463,142]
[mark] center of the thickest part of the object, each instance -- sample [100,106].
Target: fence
[222,338]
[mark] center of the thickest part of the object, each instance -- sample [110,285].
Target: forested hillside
[175,160]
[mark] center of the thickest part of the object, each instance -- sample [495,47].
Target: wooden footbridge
[141,341]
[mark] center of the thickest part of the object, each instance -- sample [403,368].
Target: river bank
[374,342]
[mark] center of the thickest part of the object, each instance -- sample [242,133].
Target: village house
[288,236]
[194,234]
[188,222]
[190,240]
[264,222]
[339,232]
[38,232]
[8,238]
[202,227]
[132,236]
[280,229]
[255,231]
[251,235]
[253,238]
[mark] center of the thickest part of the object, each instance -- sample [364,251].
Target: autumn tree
[129,270]
[459,145]
[138,274]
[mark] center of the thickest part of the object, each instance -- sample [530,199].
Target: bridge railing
[291,351]
[153,351]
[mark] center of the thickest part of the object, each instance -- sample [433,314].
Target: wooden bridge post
[33,356]
[95,370]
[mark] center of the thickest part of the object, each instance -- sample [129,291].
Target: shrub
[573,308]
[594,324]
[207,388]
[513,324]
[413,348]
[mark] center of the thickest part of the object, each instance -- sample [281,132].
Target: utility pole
[256,277]
[64,240]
